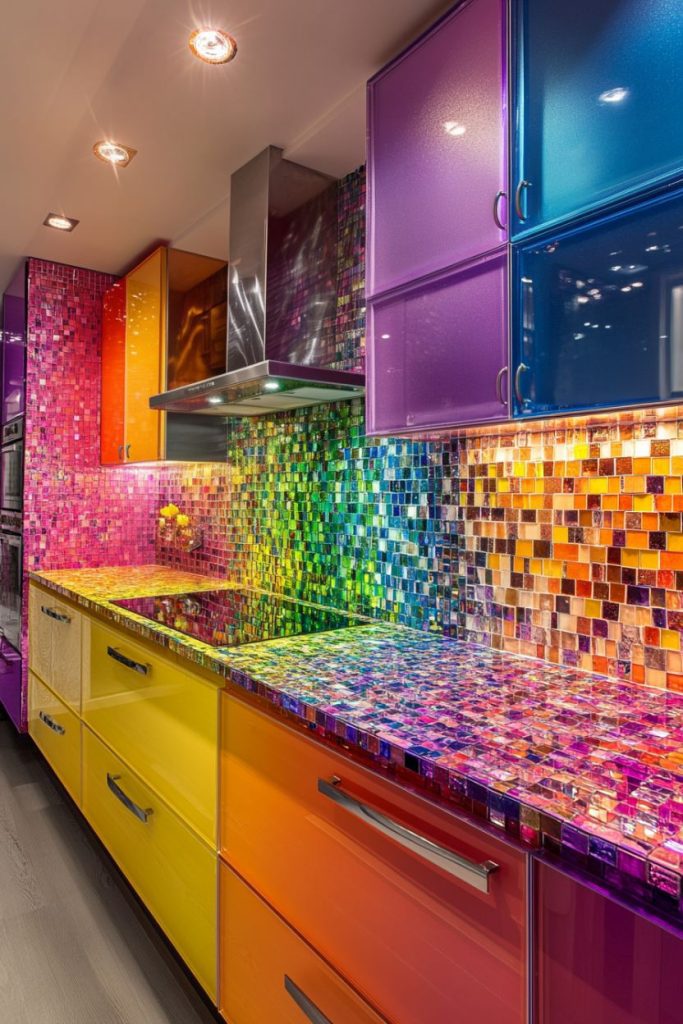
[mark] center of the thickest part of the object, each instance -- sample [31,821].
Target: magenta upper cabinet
[599,962]
[437,353]
[437,149]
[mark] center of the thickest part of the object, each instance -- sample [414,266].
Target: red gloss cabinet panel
[598,961]
[416,942]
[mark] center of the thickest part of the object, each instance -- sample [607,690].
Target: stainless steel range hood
[282,297]
[265,387]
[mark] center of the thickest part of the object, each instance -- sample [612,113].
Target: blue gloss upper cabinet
[598,98]
[598,312]
[437,149]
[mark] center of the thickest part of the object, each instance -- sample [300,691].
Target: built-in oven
[11,581]
[12,465]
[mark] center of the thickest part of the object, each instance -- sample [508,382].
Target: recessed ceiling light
[59,222]
[617,95]
[113,153]
[213,45]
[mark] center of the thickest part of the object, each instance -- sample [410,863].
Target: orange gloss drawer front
[415,941]
[269,974]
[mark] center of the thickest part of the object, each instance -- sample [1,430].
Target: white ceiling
[75,71]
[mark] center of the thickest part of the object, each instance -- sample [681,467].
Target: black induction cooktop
[230,618]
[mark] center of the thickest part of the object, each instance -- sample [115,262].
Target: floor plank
[75,945]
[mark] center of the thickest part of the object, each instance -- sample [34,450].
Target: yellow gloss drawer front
[57,732]
[55,634]
[268,973]
[173,871]
[161,719]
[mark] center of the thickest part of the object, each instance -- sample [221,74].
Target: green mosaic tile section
[320,511]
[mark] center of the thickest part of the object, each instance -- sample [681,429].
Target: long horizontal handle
[306,1005]
[143,813]
[475,874]
[51,724]
[122,659]
[52,614]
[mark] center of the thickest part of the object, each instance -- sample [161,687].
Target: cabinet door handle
[518,198]
[499,385]
[136,666]
[127,451]
[51,724]
[475,874]
[142,813]
[120,453]
[518,381]
[57,616]
[496,209]
[306,1005]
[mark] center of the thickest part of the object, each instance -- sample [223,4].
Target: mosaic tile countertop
[587,766]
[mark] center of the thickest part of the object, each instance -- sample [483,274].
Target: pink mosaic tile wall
[75,512]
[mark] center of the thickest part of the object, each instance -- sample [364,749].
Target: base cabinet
[268,973]
[415,941]
[172,870]
[599,962]
[56,731]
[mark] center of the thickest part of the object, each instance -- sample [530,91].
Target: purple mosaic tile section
[75,512]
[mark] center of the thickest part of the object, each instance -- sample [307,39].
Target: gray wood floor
[75,946]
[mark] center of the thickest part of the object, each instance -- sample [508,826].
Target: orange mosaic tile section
[571,543]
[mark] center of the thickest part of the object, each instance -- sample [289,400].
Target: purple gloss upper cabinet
[598,961]
[437,352]
[437,120]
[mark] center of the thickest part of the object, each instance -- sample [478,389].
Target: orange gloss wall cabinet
[113,372]
[133,356]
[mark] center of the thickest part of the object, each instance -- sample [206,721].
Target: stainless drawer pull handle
[136,666]
[496,208]
[476,875]
[51,724]
[499,385]
[143,813]
[308,1008]
[52,614]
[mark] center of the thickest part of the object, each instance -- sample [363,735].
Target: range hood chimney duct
[282,297]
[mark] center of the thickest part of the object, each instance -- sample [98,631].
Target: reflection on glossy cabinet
[268,973]
[598,313]
[599,89]
[437,353]
[599,962]
[437,149]
[416,940]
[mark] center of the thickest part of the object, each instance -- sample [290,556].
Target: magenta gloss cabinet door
[437,149]
[437,353]
[599,962]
